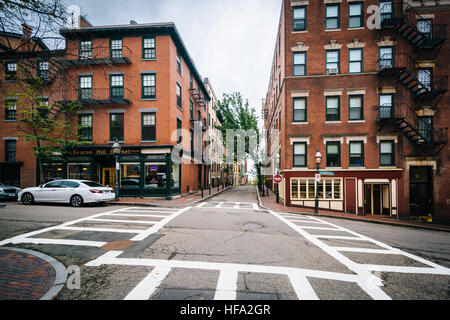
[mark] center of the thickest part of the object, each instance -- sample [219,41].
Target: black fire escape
[426,88]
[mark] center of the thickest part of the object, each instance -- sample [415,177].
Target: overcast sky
[231,41]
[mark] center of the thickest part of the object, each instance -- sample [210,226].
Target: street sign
[325,173]
[277,179]
[318,177]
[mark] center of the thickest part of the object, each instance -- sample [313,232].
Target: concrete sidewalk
[269,202]
[185,200]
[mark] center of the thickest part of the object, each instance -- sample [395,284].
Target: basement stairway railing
[407,21]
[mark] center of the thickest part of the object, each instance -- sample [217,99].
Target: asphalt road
[228,248]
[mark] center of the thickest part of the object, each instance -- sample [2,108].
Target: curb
[60,271]
[354,219]
[2,206]
[167,205]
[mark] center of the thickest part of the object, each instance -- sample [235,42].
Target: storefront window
[130,175]
[79,171]
[176,176]
[53,171]
[327,189]
[155,175]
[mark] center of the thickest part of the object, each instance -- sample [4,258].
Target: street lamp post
[318,162]
[116,148]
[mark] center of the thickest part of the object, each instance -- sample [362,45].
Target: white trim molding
[356,91]
[295,3]
[300,139]
[356,138]
[333,139]
[300,47]
[387,42]
[333,44]
[332,92]
[300,93]
[387,137]
[332,1]
[421,162]
[356,44]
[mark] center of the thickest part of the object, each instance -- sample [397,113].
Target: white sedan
[75,192]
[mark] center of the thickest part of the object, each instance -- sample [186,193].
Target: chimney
[27,32]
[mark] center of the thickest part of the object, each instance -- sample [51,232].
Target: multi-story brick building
[372,99]
[137,85]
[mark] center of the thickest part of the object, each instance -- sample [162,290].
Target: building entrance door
[421,191]
[376,199]
[108,177]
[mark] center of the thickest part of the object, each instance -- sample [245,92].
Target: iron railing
[86,96]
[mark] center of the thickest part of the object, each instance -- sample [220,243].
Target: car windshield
[93,184]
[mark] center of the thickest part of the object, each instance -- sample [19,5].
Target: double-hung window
[300,110]
[425,26]
[85,127]
[191,108]
[386,59]
[11,71]
[387,154]
[179,131]
[333,154]
[386,108]
[179,103]
[116,48]
[300,154]
[11,109]
[149,48]
[178,61]
[355,60]
[356,107]
[44,70]
[356,154]
[117,126]
[85,49]
[299,18]
[356,15]
[116,87]
[148,127]
[333,112]
[299,64]
[85,91]
[149,86]
[333,16]
[386,10]
[332,61]
[10,150]
[424,76]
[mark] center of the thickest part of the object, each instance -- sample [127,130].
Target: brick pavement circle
[28,275]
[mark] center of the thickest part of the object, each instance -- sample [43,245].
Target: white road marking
[227,285]
[324,236]
[134,215]
[220,205]
[302,287]
[236,205]
[100,230]
[142,236]
[123,221]
[317,228]
[202,204]
[367,250]
[148,286]
[305,221]
[60,242]
[255,207]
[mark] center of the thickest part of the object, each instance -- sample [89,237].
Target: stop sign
[277,179]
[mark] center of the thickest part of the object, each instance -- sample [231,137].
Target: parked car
[8,192]
[74,192]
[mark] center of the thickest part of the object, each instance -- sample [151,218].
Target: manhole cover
[253,226]
[118,245]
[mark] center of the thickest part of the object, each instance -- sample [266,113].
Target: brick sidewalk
[181,201]
[24,276]
[270,203]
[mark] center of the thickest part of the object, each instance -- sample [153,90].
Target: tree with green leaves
[49,127]
[237,115]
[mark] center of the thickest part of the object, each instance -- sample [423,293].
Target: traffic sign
[318,177]
[277,179]
[326,173]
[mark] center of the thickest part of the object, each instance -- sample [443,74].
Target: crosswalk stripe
[123,221]
[145,289]
[100,230]
[227,285]
[60,242]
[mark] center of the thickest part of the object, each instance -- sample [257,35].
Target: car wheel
[76,201]
[27,199]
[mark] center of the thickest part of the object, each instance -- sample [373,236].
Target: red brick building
[136,84]
[372,100]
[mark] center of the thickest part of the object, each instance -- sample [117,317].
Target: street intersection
[228,248]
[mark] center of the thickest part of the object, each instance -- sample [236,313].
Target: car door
[69,189]
[45,192]
[52,192]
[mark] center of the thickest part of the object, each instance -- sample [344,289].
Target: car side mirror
[41,186]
